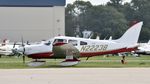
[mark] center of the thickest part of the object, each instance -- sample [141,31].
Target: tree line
[111,19]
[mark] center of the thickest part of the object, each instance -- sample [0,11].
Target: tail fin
[131,36]
[97,37]
[110,38]
[5,41]
[148,42]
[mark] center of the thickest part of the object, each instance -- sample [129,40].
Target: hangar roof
[31,3]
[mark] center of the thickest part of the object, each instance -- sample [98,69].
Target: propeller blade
[23,58]
[14,45]
[23,53]
[24,50]
[22,42]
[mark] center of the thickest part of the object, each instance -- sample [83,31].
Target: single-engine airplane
[72,48]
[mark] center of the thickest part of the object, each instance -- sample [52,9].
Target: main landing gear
[70,62]
[36,63]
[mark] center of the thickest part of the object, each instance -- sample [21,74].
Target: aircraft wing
[65,49]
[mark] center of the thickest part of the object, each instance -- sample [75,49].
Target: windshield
[60,40]
[47,43]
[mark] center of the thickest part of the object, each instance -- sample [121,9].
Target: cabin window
[83,43]
[73,42]
[60,40]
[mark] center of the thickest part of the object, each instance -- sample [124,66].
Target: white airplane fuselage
[7,49]
[86,47]
[144,48]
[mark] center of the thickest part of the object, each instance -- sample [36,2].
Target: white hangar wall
[33,23]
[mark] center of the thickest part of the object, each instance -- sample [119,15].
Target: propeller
[14,44]
[23,52]
[13,49]
[20,52]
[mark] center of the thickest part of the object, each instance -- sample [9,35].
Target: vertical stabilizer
[148,42]
[131,36]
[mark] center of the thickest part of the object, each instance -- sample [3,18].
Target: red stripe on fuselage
[88,54]
[41,55]
[82,54]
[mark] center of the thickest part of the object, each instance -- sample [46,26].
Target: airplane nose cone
[15,51]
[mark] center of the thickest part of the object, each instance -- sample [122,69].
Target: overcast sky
[94,2]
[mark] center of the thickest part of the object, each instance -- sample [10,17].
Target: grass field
[96,62]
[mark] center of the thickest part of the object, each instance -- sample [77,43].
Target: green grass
[96,62]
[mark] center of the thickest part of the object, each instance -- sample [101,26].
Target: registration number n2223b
[93,48]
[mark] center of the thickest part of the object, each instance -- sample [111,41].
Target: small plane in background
[72,48]
[6,47]
[143,49]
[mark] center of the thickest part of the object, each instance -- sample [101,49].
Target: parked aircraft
[143,49]
[6,47]
[72,48]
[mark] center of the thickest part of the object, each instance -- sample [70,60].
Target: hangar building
[35,20]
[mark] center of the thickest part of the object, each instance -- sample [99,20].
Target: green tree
[69,20]
[105,20]
[73,12]
[115,3]
[111,19]
[142,13]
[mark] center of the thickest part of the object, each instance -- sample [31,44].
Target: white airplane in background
[72,48]
[6,47]
[143,49]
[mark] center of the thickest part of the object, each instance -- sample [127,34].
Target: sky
[94,2]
